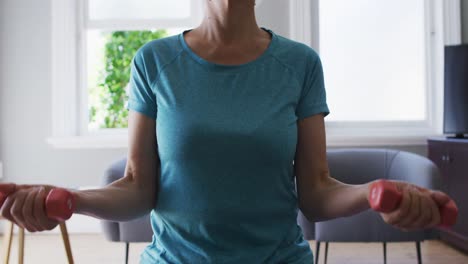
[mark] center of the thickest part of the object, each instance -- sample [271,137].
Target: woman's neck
[229,21]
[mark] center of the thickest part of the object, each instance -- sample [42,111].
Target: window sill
[379,141]
[119,141]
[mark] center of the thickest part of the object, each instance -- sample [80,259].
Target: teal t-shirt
[226,138]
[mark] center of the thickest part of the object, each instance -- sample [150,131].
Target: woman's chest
[208,114]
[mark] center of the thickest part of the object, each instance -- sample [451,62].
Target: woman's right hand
[24,205]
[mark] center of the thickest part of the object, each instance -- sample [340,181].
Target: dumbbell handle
[59,202]
[385,197]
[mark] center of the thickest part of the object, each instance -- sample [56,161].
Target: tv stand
[451,157]
[459,136]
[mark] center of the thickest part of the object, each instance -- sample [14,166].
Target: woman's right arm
[135,194]
[127,198]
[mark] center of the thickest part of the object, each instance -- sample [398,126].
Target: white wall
[275,15]
[25,98]
[2,76]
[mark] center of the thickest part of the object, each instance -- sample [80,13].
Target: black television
[456,91]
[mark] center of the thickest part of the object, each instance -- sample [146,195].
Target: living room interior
[395,75]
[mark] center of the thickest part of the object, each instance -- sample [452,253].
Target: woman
[235,105]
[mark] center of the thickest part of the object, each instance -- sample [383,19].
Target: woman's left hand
[418,209]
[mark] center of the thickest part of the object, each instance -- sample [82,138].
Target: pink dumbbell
[385,197]
[59,203]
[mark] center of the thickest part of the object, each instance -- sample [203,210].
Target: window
[364,94]
[383,66]
[109,54]
[94,42]
[374,53]
[100,11]
[114,30]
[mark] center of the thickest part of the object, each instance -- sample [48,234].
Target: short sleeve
[142,98]
[313,97]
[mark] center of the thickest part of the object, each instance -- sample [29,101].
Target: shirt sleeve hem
[313,110]
[142,108]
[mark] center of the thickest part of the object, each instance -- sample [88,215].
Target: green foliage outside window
[111,92]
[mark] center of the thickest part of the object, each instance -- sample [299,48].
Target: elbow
[312,217]
[147,195]
[144,193]
[313,211]
[308,216]
[307,211]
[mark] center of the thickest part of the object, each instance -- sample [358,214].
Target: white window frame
[69,85]
[443,26]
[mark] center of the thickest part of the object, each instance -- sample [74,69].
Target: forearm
[332,199]
[122,200]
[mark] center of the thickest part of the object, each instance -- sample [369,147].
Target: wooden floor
[94,249]
[432,251]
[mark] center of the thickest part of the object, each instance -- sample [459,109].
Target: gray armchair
[137,230]
[353,166]
[357,166]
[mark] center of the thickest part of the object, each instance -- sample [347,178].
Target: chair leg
[66,242]
[385,252]
[418,250]
[127,246]
[326,252]
[7,239]
[317,250]
[21,246]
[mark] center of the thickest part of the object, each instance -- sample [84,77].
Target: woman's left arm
[321,197]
